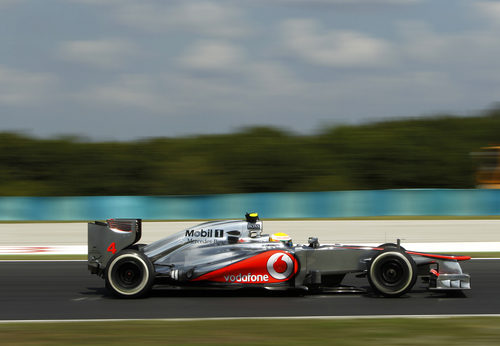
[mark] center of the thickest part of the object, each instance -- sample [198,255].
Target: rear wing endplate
[107,238]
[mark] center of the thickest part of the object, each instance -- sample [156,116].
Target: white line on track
[250,318]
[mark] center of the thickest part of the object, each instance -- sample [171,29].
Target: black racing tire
[391,246]
[129,274]
[392,273]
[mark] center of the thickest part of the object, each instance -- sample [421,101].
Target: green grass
[394,331]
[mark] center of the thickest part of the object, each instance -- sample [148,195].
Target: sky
[130,69]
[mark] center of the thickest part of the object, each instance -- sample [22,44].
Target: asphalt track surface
[65,290]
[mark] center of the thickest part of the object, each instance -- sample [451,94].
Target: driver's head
[282,237]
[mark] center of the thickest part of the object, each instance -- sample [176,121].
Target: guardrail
[328,204]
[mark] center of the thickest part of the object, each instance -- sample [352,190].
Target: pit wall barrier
[286,205]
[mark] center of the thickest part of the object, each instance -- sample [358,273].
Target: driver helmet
[282,237]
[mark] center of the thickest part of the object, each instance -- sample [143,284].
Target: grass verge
[394,331]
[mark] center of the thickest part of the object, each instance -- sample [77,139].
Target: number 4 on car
[112,248]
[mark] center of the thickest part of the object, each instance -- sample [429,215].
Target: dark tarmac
[65,290]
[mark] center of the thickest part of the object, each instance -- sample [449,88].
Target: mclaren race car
[235,254]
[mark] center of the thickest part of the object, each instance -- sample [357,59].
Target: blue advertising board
[285,205]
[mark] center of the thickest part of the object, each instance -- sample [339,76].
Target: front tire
[392,273]
[391,246]
[130,274]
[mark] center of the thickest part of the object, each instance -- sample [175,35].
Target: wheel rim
[392,273]
[128,274]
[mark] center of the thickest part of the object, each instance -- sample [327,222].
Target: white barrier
[63,236]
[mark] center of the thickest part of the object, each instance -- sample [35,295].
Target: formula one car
[235,254]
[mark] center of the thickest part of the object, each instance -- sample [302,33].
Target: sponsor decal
[205,233]
[253,226]
[204,241]
[267,267]
[280,265]
[246,278]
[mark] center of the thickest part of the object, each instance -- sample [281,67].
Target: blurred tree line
[415,153]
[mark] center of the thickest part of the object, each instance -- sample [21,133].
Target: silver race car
[235,254]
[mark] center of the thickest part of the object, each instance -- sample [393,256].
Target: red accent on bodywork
[112,248]
[435,272]
[251,270]
[280,266]
[448,257]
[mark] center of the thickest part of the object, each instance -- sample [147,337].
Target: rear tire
[130,274]
[392,273]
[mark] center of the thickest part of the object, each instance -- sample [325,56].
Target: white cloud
[489,10]
[6,3]
[270,93]
[412,87]
[212,55]
[104,53]
[129,90]
[334,48]
[175,94]
[421,43]
[102,2]
[171,94]
[272,78]
[469,51]
[250,81]
[21,88]
[346,2]
[200,17]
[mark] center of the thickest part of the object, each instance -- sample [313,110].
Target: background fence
[330,204]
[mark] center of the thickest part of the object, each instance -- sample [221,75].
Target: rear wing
[107,238]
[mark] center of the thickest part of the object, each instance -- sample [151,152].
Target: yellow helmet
[282,237]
